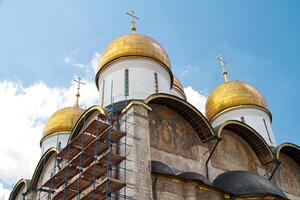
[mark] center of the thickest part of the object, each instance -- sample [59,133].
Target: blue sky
[259,39]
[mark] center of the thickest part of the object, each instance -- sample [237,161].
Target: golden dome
[62,120]
[178,86]
[134,45]
[232,94]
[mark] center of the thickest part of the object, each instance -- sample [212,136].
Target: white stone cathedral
[145,141]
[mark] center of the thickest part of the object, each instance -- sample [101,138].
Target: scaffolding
[89,167]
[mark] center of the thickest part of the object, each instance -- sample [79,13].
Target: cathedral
[145,141]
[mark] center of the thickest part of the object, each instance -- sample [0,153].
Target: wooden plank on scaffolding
[92,127]
[115,135]
[115,185]
[64,194]
[83,139]
[101,164]
[69,152]
[84,157]
[72,189]
[89,172]
[114,159]
[59,178]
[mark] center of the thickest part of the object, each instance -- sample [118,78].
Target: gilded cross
[224,71]
[79,82]
[133,17]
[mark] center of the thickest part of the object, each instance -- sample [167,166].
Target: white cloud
[24,111]
[197,99]
[79,65]
[4,193]
[68,60]
[93,64]
[95,60]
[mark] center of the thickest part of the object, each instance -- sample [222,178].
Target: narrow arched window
[243,119]
[156,82]
[267,131]
[103,86]
[126,83]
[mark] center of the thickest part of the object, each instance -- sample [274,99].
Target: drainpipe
[276,167]
[209,157]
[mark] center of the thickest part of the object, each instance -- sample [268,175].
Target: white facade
[141,80]
[58,140]
[258,119]
[175,92]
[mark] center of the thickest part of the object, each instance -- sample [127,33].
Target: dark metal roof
[187,111]
[255,141]
[118,106]
[290,149]
[160,168]
[243,183]
[195,177]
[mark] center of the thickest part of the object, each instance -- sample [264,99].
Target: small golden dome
[62,120]
[134,45]
[231,94]
[178,86]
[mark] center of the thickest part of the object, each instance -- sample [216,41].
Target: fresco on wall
[234,154]
[288,177]
[171,133]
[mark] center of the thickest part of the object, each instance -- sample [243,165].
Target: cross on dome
[78,81]
[224,70]
[133,17]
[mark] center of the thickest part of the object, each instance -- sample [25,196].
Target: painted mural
[171,133]
[234,154]
[288,177]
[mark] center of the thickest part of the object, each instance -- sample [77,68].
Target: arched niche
[19,189]
[288,174]
[178,133]
[84,119]
[240,148]
[43,172]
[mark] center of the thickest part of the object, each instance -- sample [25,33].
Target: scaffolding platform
[74,188]
[85,180]
[87,136]
[98,168]
[83,139]
[92,127]
[100,191]
[85,167]
[61,176]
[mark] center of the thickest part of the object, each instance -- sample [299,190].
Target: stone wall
[288,176]
[173,188]
[174,142]
[233,153]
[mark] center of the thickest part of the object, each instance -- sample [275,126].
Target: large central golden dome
[62,120]
[232,94]
[134,45]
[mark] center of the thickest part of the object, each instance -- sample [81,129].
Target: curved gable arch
[290,149]
[187,111]
[18,186]
[81,121]
[39,168]
[255,141]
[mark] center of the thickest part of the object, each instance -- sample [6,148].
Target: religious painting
[172,133]
[233,153]
[288,177]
